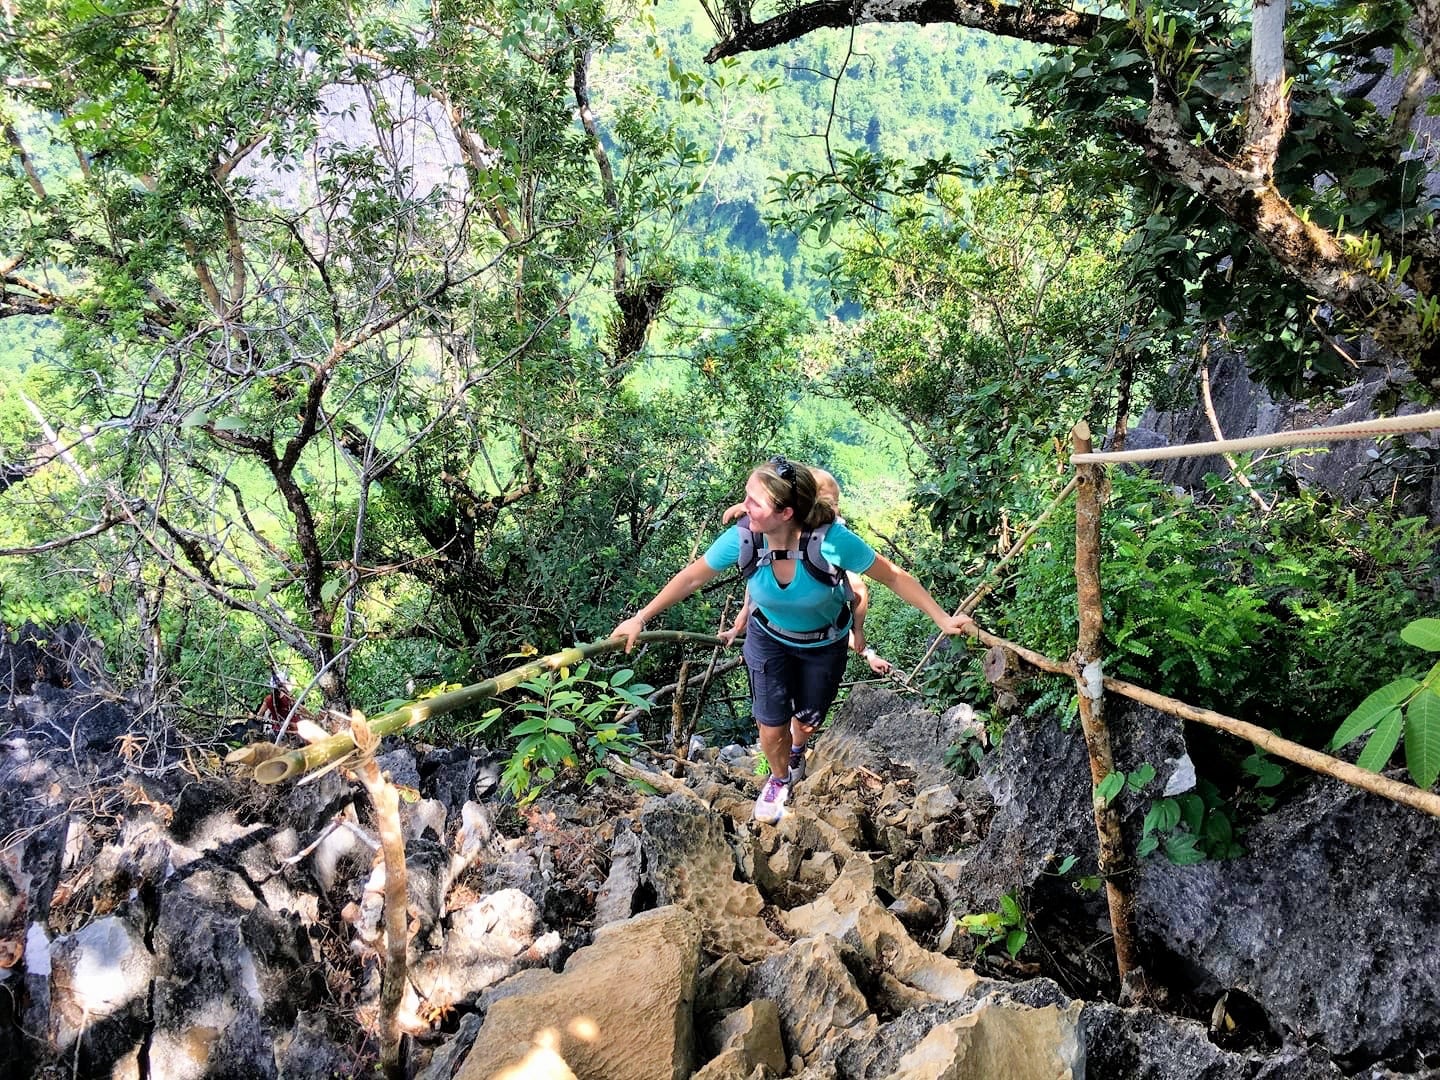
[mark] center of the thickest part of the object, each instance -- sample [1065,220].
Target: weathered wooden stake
[386,801]
[1115,864]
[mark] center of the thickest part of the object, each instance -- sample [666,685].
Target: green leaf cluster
[1006,927]
[1407,708]
[1189,828]
[562,728]
[1207,601]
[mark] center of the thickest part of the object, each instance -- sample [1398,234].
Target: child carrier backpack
[811,557]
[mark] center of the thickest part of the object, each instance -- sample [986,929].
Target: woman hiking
[799,638]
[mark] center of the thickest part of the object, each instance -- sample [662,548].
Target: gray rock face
[1327,922]
[1244,409]
[100,978]
[875,727]
[1139,1044]
[1040,784]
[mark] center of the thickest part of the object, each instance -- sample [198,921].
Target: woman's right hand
[729,636]
[629,629]
[731,513]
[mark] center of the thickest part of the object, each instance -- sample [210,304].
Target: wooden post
[1115,865]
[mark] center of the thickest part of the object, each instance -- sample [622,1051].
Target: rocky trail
[160,918]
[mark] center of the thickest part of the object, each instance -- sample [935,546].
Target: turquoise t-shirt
[805,605]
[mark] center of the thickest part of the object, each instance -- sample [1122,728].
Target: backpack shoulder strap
[821,568]
[749,559]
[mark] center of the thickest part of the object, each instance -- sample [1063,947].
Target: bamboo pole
[1405,794]
[328,752]
[679,741]
[1360,429]
[1115,863]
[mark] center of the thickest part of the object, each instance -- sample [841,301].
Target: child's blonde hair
[827,489]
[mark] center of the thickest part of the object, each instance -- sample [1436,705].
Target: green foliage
[1178,613]
[785,113]
[1118,781]
[1405,706]
[1007,926]
[1266,774]
[1190,828]
[563,727]
[966,755]
[994,320]
[1088,101]
[1206,601]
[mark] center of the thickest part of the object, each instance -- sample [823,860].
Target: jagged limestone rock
[99,990]
[874,727]
[621,1009]
[835,911]
[689,862]
[1327,922]
[489,940]
[722,985]
[815,993]
[617,896]
[1000,1039]
[750,1041]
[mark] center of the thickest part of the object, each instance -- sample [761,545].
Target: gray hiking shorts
[790,680]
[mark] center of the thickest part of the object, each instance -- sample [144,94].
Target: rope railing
[987,583]
[1296,753]
[1362,429]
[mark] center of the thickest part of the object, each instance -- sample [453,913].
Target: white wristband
[869,653]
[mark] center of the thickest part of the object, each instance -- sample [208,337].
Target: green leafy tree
[1257,159]
[344,396]
[993,322]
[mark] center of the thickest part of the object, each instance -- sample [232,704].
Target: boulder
[1040,784]
[1141,1044]
[621,1009]
[689,863]
[1322,921]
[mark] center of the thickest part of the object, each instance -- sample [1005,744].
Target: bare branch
[581,83]
[1044,26]
[64,541]
[31,173]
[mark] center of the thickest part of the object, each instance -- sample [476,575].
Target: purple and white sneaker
[770,806]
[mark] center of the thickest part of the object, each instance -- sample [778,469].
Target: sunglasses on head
[783,468]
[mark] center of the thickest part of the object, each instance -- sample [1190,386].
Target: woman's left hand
[629,629]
